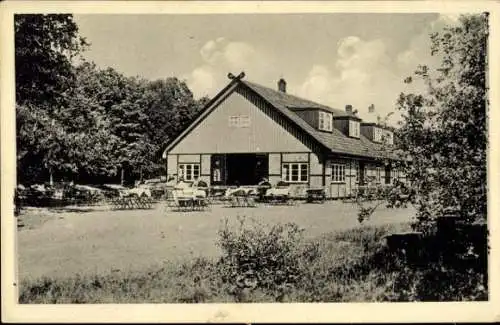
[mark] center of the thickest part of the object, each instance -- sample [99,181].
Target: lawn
[62,243]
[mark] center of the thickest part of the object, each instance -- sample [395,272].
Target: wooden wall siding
[275,164]
[316,181]
[310,116]
[195,158]
[205,164]
[328,176]
[347,188]
[367,131]
[276,116]
[338,190]
[274,179]
[342,125]
[315,165]
[298,190]
[314,116]
[172,165]
[214,135]
[350,177]
[295,157]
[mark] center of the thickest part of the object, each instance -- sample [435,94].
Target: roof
[335,142]
[292,102]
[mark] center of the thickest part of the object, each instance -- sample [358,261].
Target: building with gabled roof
[248,132]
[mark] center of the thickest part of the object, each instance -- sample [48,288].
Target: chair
[316,194]
[278,195]
[240,197]
[181,201]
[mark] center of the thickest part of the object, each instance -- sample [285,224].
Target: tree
[44,48]
[170,106]
[444,129]
[86,123]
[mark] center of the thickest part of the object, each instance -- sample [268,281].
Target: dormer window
[354,129]
[382,136]
[325,122]
[389,137]
[377,134]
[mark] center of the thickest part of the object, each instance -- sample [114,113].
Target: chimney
[348,109]
[282,85]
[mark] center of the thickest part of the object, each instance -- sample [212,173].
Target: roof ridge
[336,141]
[335,110]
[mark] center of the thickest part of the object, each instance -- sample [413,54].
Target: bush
[274,263]
[272,259]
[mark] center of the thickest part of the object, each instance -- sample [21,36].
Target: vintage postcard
[249,161]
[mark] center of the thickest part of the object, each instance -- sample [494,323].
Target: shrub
[274,263]
[272,259]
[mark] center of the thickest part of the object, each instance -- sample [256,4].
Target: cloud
[220,56]
[354,53]
[201,79]
[419,50]
[360,72]
[318,84]
[363,72]
[361,75]
[446,19]
[210,52]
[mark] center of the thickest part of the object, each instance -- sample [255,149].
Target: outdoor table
[189,199]
[242,201]
[278,195]
[131,202]
[368,192]
[241,197]
[316,194]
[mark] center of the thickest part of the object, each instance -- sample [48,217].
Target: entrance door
[246,169]
[388,174]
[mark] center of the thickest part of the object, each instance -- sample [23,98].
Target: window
[189,172]
[377,134]
[356,170]
[325,121]
[338,173]
[382,135]
[388,137]
[378,175]
[353,129]
[295,172]
[394,173]
[239,121]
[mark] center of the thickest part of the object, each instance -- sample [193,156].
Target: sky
[333,58]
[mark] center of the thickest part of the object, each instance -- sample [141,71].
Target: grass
[347,265]
[335,276]
[95,242]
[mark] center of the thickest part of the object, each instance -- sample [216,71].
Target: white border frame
[319,312]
